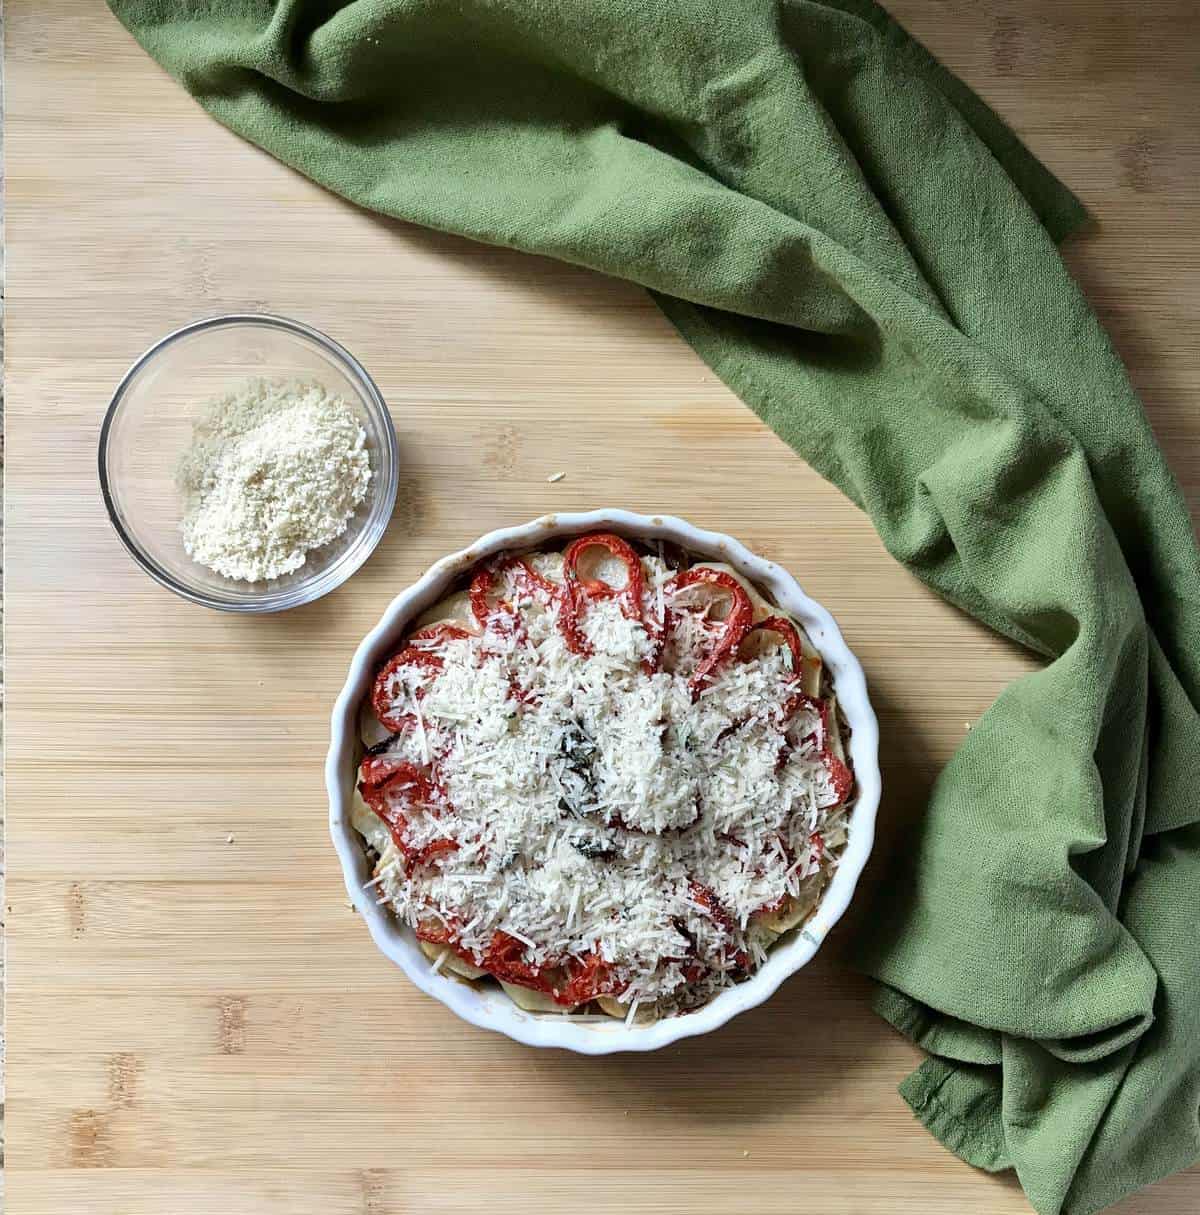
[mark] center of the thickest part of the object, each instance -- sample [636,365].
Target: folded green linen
[866,255]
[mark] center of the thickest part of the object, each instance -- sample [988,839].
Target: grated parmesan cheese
[587,798]
[274,470]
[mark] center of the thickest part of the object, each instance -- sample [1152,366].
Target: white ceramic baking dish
[487,1005]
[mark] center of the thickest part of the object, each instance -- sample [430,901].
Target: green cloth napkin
[866,255]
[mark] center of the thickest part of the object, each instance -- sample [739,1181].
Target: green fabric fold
[858,246]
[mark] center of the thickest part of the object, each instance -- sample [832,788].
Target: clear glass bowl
[149,425]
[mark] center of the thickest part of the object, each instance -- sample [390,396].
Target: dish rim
[491,1008]
[299,593]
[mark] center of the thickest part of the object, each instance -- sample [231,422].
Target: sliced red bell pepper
[575,982]
[586,980]
[817,843]
[788,631]
[630,594]
[437,933]
[578,590]
[390,787]
[711,904]
[769,908]
[505,960]
[791,635]
[717,913]
[735,625]
[419,653]
[840,776]
[488,578]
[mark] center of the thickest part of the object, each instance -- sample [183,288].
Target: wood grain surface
[201,1024]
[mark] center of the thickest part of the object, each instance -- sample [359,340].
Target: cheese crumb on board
[274,470]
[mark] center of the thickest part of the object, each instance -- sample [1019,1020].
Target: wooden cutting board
[197,1020]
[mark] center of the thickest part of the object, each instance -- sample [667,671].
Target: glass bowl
[149,425]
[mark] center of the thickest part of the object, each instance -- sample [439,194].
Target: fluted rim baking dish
[489,1007]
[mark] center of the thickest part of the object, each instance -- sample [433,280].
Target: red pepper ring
[586,980]
[707,899]
[736,625]
[377,771]
[442,631]
[485,580]
[788,631]
[412,655]
[798,700]
[577,590]
[770,908]
[575,982]
[437,933]
[572,983]
[381,779]
[840,776]
[716,912]
[504,959]
[630,594]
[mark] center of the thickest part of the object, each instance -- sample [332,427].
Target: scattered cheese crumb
[229,839]
[558,476]
[274,470]
[745,1154]
[967,724]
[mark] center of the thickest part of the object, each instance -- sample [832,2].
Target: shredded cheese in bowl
[608,781]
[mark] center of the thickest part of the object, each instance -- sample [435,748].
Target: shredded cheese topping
[590,806]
